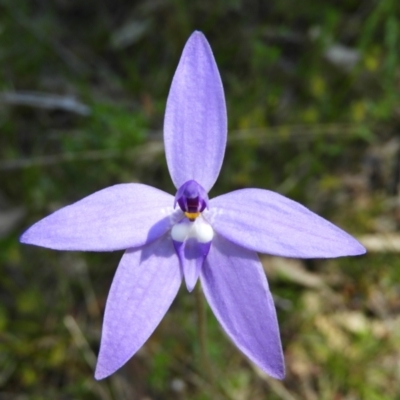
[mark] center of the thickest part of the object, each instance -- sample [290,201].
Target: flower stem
[202,333]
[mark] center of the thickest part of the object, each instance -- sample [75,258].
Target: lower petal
[192,241]
[191,255]
[144,286]
[237,291]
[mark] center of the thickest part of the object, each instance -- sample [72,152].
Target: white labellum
[198,229]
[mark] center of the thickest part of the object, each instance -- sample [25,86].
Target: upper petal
[144,286]
[267,222]
[237,291]
[195,124]
[115,218]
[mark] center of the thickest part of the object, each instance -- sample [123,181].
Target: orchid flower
[190,236]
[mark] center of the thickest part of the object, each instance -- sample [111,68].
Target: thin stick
[202,334]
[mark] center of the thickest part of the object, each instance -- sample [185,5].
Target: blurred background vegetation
[312,89]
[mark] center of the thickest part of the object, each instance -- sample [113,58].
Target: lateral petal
[118,217]
[195,124]
[144,286]
[237,291]
[268,222]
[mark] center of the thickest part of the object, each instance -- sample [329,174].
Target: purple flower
[191,236]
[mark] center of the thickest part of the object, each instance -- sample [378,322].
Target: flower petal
[195,124]
[118,217]
[144,286]
[267,222]
[192,254]
[192,241]
[237,291]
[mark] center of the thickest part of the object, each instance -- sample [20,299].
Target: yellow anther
[192,216]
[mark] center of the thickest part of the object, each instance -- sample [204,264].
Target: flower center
[192,236]
[192,199]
